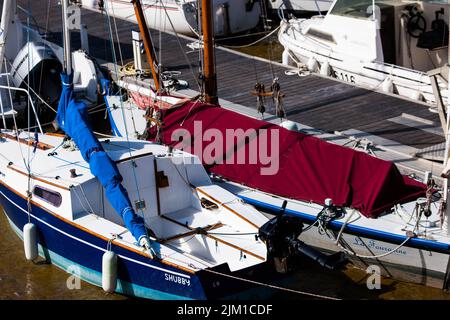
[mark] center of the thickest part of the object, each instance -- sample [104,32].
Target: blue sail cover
[73,118]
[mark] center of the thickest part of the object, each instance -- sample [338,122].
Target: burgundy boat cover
[310,169]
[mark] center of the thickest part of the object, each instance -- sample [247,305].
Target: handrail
[29,99]
[28,14]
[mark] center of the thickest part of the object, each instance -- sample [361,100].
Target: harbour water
[24,280]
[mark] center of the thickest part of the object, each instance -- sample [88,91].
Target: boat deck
[400,129]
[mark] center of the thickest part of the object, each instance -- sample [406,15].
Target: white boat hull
[230,16]
[366,241]
[380,52]
[408,264]
[300,6]
[410,84]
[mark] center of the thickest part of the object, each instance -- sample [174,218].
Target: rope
[344,225]
[29,194]
[255,42]
[181,47]
[81,202]
[338,240]
[272,286]
[374,256]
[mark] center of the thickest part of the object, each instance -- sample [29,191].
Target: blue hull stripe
[91,245]
[93,277]
[140,275]
[366,232]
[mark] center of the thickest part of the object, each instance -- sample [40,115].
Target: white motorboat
[393,46]
[300,6]
[230,16]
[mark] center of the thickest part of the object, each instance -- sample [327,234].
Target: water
[24,280]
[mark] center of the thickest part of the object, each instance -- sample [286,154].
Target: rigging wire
[117,35]
[123,112]
[29,120]
[181,48]
[31,89]
[255,42]
[201,66]
[45,44]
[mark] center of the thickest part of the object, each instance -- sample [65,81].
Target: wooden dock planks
[318,102]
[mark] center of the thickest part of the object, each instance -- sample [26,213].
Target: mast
[147,42]
[9,8]
[209,58]
[66,36]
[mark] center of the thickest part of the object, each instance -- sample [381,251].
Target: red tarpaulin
[309,169]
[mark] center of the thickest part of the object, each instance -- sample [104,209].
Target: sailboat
[230,16]
[398,47]
[352,202]
[131,216]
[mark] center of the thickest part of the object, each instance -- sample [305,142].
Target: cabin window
[353,8]
[320,34]
[49,196]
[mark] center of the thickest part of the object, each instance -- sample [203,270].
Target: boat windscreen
[353,8]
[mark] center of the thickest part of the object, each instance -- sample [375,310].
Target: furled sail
[73,118]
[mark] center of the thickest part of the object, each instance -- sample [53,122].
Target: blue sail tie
[73,118]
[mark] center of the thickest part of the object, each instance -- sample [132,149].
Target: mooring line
[273,286]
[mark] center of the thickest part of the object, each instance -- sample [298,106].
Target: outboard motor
[281,237]
[37,65]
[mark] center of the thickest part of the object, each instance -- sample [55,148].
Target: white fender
[30,241]
[325,69]
[290,125]
[109,271]
[388,85]
[285,58]
[416,95]
[312,64]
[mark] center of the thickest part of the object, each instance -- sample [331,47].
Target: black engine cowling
[281,237]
